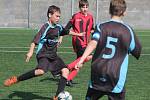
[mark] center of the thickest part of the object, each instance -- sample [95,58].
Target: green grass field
[14,44]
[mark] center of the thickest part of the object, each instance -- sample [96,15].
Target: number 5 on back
[110,46]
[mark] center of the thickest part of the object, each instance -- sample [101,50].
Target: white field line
[23,51]
[2,51]
[25,47]
[36,47]
[137,35]
[143,35]
[143,31]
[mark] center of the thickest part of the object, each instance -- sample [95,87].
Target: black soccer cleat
[69,83]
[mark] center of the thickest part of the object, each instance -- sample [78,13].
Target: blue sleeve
[96,34]
[135,47]
[62,31]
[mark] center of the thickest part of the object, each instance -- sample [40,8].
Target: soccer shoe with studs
[10,81]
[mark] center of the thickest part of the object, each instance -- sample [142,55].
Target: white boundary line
[4,51]
[143,35]
[57,52]
[142,30]
[12,51]
[36,47]
[27,47]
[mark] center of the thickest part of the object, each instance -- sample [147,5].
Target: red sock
[72,65]
[72,74]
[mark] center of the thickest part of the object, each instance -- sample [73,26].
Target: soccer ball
[64,96]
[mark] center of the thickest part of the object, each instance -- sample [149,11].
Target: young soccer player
[113,41]
[47,58]
[81,22]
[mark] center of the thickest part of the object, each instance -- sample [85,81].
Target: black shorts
[54,66]
[93,94]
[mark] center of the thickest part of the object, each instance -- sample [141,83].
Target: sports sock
[72,65]
[61,85]
[72,74]
[27,75]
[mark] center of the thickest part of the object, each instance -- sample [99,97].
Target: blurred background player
[47,58]
[113,40]
[81,22]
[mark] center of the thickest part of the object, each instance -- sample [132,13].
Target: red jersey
[81,23]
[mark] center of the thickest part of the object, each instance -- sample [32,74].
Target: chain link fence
[32,13]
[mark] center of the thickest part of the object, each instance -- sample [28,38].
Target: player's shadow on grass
[49,79]
[55,79]
[27,96]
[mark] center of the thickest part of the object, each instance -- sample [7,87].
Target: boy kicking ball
[47,40]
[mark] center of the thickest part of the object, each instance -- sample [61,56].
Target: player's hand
[28,56]
[78,65]
[82,34]
[92,31]
[59,42]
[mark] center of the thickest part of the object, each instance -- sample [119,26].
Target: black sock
[27,75]
[61,85]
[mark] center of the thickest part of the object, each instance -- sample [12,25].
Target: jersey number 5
[110,46]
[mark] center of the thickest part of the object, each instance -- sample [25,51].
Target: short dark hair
[117,7]
[53,9]
[83,3]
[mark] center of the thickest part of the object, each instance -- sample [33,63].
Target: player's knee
[39,72]
[65,72]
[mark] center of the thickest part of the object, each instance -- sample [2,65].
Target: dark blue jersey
[110,61]
[47,39]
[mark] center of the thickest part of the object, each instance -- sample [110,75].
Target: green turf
[44,87]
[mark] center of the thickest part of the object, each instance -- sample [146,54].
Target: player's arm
[89,49]
[92,28]
[67,31]
[30,52]
[76,34]
[35,42]
[92,31]
[135,47]
[70,25]
[60,41]
[91,46]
